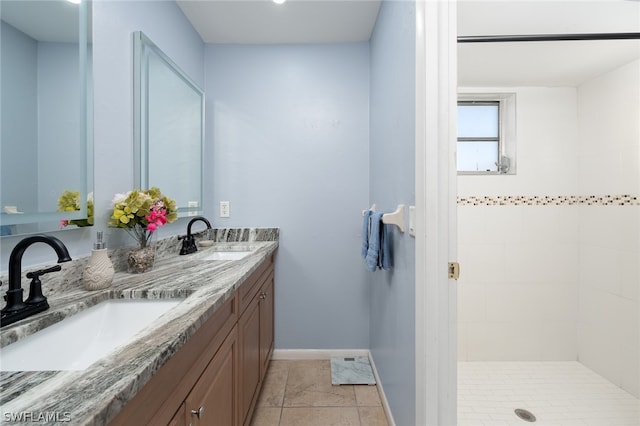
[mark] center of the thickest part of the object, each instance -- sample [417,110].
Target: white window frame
[507,127]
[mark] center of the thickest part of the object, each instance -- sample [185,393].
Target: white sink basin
[227,255]
[80,340]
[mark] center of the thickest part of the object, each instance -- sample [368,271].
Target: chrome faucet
[17,308]
[188,242]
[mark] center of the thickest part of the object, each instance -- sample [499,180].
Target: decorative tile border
[550,200]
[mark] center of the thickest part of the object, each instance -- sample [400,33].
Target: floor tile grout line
[287,387]
[284,393]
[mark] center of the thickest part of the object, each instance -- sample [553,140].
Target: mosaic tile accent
[550,200]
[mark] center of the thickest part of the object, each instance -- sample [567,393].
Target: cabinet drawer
[157,400]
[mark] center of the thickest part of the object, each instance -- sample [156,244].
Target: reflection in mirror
[169,127]
[45,141]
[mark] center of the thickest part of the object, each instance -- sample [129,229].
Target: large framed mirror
[168,127]
[46,143]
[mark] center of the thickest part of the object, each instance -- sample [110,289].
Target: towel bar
[395,218]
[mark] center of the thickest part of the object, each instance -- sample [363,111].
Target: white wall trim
[311,354]
[383,397]
[436,83]
[305,354]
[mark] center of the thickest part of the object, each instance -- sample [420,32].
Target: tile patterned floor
[297,393]
[557,393]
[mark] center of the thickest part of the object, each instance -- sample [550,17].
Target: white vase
[99,271]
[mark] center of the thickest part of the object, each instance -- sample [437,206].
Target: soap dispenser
[99,271]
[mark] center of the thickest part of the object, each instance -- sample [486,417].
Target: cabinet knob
[198,412]
[263,295]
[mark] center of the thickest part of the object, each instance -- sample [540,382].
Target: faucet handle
[35,289]
[40,272]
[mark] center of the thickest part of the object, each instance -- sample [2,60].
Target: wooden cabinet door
[266,325]
[211,402]
[249,331]
[180,418]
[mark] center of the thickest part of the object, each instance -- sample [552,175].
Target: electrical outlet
[225,209]
[192,205]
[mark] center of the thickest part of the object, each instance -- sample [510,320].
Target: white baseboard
[310,354]
[383,397]
[299,354]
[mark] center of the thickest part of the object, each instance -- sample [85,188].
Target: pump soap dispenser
[99,271]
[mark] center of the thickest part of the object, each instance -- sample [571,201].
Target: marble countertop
[94,396]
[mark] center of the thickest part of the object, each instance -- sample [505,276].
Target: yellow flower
[69,201]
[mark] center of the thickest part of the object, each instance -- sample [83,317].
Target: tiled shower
[550,256]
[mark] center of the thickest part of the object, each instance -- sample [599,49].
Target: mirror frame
[143,47]
[50,220]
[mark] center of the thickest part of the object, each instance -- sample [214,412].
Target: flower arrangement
[69,201]
[141,213]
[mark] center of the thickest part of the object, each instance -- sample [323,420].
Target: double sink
[80,340]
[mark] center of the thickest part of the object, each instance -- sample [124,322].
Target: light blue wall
[58,121]
[392,182]
[289,130]
[114,22]
[19,111]
[113,25]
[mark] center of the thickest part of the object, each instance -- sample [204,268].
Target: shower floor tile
[556,393]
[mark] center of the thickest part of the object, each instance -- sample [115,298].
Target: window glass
[478,120]
[486,133]
[477,156]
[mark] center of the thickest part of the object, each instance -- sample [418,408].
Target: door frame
[436,193]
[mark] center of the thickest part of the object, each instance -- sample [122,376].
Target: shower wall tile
[602,268]
[472,302]
[630,271]
[550,257]
[550,223]
[482,262]
[524,279]
[609,315]
[487,225]
[538,262]
[600,334]
[505,341]
[610,226]
[558,340]
[512,303]
[558,303]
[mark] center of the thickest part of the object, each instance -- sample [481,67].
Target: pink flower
[157,217]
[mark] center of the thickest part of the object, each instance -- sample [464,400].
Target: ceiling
[555,63]
[43,20]
[488,64]
[296,21]
[334,21]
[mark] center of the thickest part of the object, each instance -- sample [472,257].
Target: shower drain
[525,415]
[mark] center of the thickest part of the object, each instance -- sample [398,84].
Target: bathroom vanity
[215,378]
[201,362]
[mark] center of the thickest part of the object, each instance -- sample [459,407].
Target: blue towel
[373,253]
[376,243]
[365,233]
[384,259]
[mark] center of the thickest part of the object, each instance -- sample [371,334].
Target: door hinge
[454,270]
